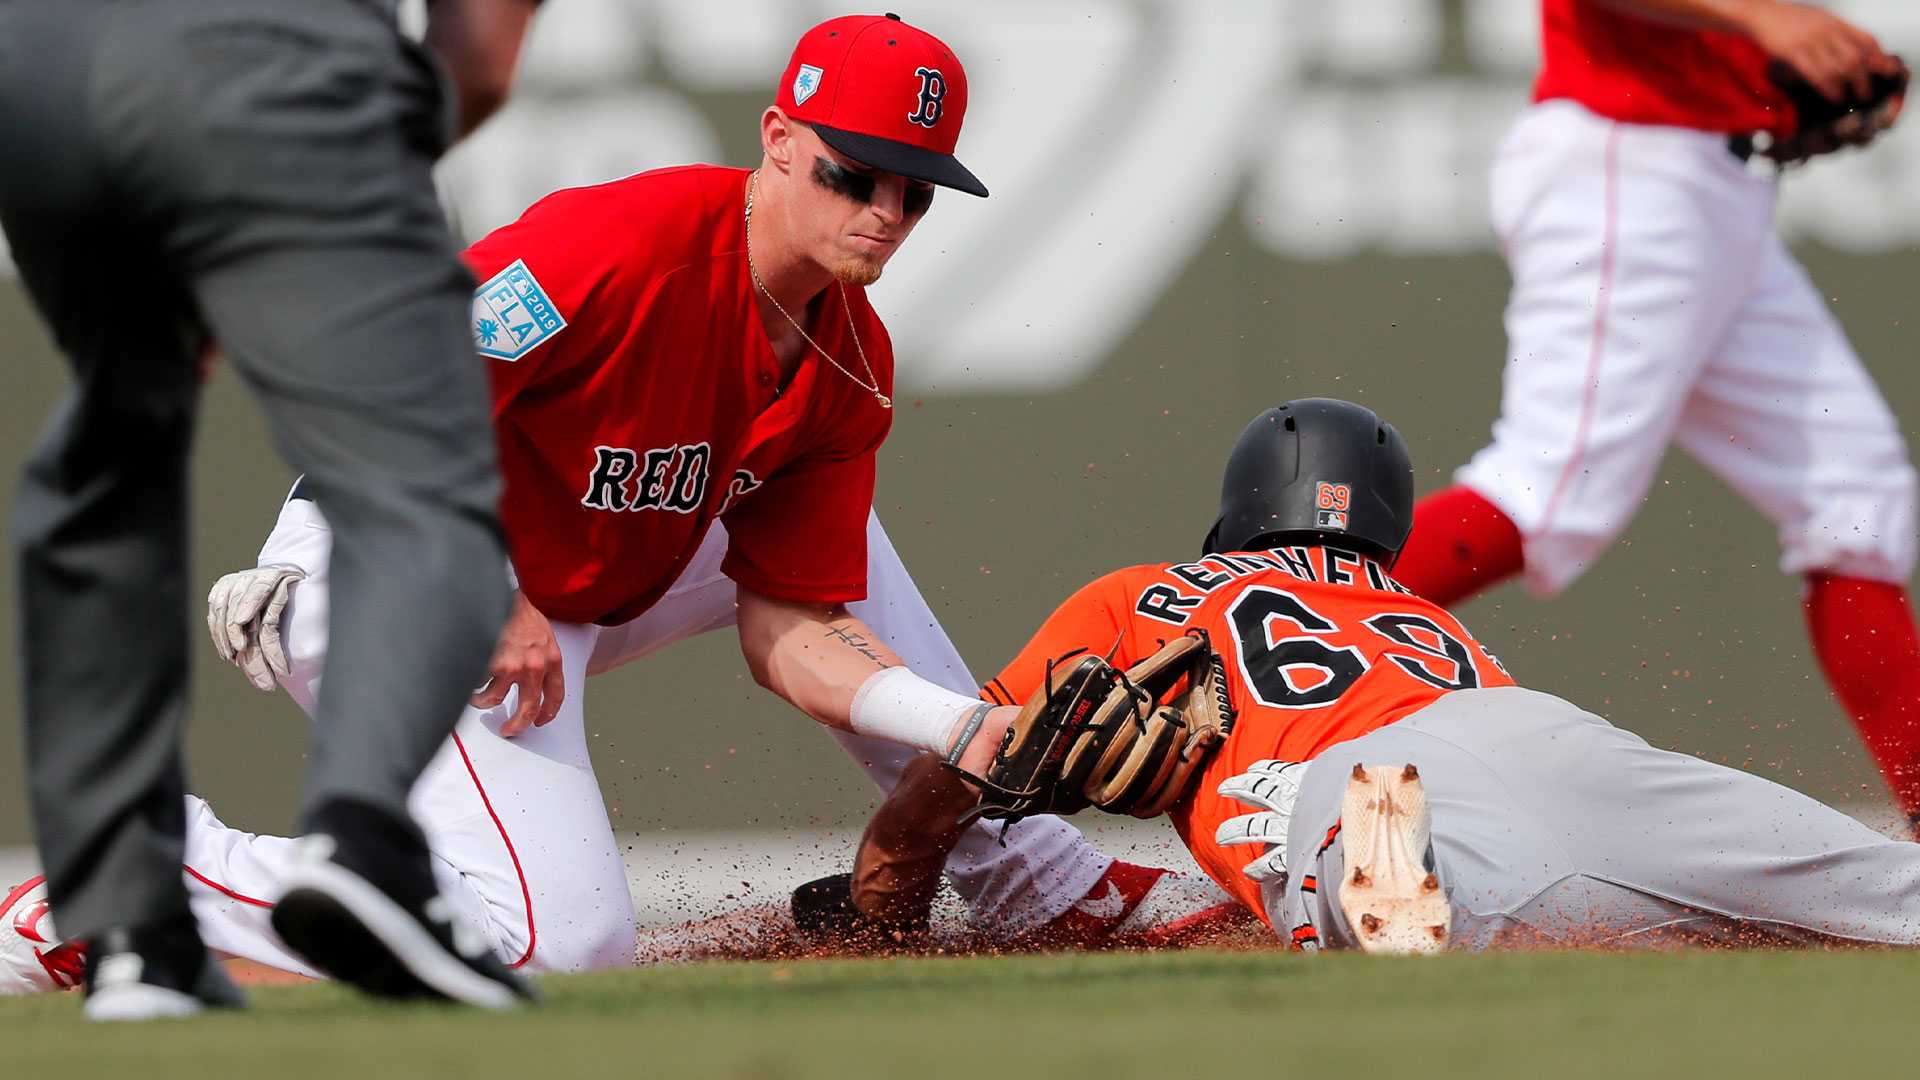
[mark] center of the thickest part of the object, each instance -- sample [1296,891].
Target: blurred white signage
[1116,137]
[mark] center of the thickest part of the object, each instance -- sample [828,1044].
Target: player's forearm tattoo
[859,643]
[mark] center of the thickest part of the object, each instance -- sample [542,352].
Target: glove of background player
[243,617]
[1273,786]
[1823,124]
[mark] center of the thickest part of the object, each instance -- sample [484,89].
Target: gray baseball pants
[1553,827]
[253,173]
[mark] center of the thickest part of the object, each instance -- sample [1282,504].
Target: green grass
[1168,1015]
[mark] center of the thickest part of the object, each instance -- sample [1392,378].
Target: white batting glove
[1272,786]
[243,616]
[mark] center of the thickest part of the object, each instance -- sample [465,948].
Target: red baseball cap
[885,94]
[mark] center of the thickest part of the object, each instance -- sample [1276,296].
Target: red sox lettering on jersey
[672,478]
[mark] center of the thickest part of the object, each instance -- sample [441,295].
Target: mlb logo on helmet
[1331,503]
[888,95]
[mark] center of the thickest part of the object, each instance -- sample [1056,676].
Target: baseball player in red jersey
[689,388]
[1654,304]
[1401,792]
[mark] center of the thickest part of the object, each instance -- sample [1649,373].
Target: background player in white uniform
[1653,303]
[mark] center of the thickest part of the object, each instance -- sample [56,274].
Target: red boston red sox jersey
[637,399]
[1320,647]
[1637,70]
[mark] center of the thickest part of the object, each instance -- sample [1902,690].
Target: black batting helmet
[1316,470]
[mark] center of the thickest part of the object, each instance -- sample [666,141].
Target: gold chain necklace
[871,385]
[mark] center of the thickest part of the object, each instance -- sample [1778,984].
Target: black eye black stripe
[860,187]
[841,181]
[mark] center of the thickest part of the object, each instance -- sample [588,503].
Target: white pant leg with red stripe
[232,879]
[1653,303]
[518,829]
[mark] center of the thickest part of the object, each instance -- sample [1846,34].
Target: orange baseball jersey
[1320,646]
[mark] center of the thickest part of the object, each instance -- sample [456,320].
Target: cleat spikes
[1392,898]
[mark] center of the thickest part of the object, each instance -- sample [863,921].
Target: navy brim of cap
[912,162]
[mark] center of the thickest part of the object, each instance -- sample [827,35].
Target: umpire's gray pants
[1552,826]
[254,172]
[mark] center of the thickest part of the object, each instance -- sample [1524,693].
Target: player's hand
[1829,52]
[1273,786]
[243,617]
[526,658]
[905,847]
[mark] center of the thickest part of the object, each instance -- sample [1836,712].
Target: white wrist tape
[899,706]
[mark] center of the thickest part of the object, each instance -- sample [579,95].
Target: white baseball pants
[1653,303]
[518,827]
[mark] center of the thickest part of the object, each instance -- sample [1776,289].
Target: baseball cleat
[1391,899]
[159,971]
[361,905]
[823,911]
[32,955]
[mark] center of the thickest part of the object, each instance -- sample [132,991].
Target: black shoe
[824,914]
[362,906]
[155,972]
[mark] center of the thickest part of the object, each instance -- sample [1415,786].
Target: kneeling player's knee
[587,936]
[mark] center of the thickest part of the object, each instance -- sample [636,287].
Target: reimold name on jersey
[512,315]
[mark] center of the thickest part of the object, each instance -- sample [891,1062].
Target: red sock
[1864,636]
[1461,544]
